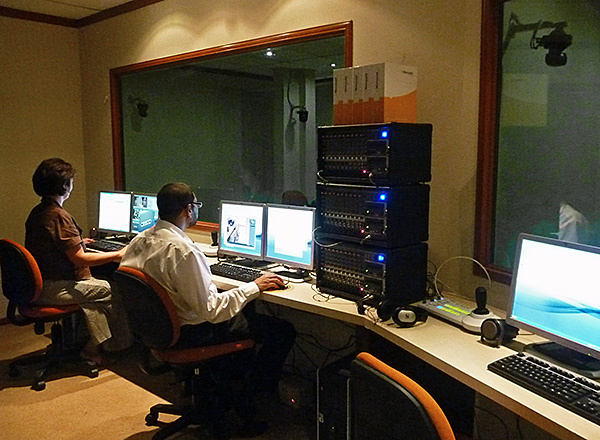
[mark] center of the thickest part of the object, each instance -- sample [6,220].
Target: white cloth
[168,255]
[572,225]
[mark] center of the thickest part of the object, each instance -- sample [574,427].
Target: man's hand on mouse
[269,281]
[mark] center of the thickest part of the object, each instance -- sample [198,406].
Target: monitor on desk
[289,236]
[555,294]
[144,212]
[241,229]
[114,212]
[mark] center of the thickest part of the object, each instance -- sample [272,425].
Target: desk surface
[449,349]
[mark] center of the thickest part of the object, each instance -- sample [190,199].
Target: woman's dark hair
[52,177]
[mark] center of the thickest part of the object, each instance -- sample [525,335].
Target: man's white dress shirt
[168,255]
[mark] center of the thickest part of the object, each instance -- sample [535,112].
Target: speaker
[496,331]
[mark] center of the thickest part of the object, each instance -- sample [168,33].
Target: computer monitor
[144,212]
[289,236]
[241,229]
[114,212]
[555,294]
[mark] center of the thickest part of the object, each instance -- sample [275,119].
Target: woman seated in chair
[55,241]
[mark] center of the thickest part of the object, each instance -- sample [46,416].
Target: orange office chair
[387,404]
[22,285]
[154,321]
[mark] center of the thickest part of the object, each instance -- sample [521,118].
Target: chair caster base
[151,420]
[39,386]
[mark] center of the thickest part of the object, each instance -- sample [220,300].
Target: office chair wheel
[151,419]
[40,385]
[13,371]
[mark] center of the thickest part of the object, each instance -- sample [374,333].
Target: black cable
[351,340]
[519,426]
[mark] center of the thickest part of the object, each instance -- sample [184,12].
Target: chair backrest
[294,197]
[21,277]
[150,310]
[387,404]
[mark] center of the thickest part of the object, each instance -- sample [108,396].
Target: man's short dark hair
[172,199]
[52,177]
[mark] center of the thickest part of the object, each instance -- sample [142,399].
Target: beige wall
[40,117]
[440,38]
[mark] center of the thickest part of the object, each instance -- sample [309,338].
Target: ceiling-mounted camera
[302,114]
[556,42]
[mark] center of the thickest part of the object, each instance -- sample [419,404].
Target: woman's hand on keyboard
[269,281]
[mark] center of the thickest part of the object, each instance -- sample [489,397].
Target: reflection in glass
[547,179]
[237,127]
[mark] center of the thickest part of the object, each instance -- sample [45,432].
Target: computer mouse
[280,289]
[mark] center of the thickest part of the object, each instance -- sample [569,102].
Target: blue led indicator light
[384,134]
[383,197]
[381,257]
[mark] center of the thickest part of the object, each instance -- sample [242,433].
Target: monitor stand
[249,262]
[296,274]
[578,362]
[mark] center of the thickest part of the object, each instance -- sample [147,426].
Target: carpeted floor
[112,406]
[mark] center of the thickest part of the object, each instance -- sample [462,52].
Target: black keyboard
[105,245]
[235,271]
[575,393]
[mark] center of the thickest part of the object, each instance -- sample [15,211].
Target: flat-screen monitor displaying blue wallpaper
[555,292]
[241,229]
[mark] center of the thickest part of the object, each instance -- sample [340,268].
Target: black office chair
[153,319]
[294,197]
[386,404]
[22,285]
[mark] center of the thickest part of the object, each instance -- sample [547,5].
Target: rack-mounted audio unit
[382,216]
[372,274]
[375,154]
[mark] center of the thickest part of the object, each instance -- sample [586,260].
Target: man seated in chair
[207,316]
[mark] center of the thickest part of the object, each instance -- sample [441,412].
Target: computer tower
[382,216]
[333,400]
[375,154]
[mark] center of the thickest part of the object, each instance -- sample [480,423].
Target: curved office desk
[456,353]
